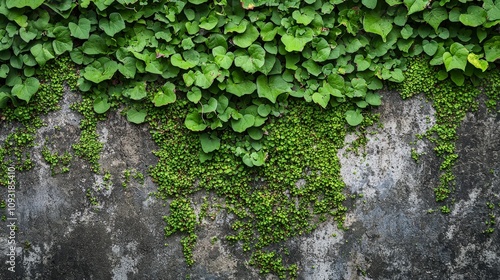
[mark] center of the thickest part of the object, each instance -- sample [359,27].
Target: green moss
[54,77]
[268,202]
[451,103]
[58,163]
[88,147]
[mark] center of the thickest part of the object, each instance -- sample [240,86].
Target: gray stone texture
[391,233]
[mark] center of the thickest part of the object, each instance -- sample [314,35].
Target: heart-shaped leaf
[375,22]
[435,16]
[194,122]
[222,58]
[243,123]
[353,117]
[209,142]
[456,58]
[100,70]
[242,88]
[42,52]
[492,49]
[271,88]
[321,99]
[137,92]
[113,24]
[415,5]
[252,61]
[135,116]
[297,42]
[80,30]
[62,42]
[246,39]
[474,17]
[165,95]
[373,99]
[492,8]
[101,104]
[33,4]
[27,89]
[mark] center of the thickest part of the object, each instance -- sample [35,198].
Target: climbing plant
[233,72]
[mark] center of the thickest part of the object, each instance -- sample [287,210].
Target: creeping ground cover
[249,100]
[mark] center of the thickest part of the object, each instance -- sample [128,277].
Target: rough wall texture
[392,234]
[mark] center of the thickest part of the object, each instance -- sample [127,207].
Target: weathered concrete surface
[392,235]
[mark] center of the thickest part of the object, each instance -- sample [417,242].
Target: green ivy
[231,91]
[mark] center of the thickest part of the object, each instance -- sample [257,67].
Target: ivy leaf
[4,70]
[271,88]
[456,58]
[33,4]
[264,110]
[4,98]
[298,42]
[191,59]
[312,67]
[26,89]
[474,17]
[258,158]
[243,123]
[374,22]
[242,88]
[322,51]
[194,122]
[373,99]
[27,34]
[492,9]
[268,32]
[304,16]
[113,25]
[430,48]
[135,116]
[62,42]
[353,117]
[252,61]
[95,45]
[321,99]
[492,49]
[360,87]
[128,68]
[362,63]
[197,2]
[137,92]
[457,77]
[209,142]
[80,30]
[101,104]
[165,95]
[100,70]
[415,5]
[246,39]
[475,60]
[210,107]
[370,4]
[194,95]
[42,52]
[255,133]
[222,58]
[328,89]
[208,23]
[435,17]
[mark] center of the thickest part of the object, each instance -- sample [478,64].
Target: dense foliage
[240,76]
[238,62]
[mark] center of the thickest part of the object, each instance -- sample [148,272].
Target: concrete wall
[391,233]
